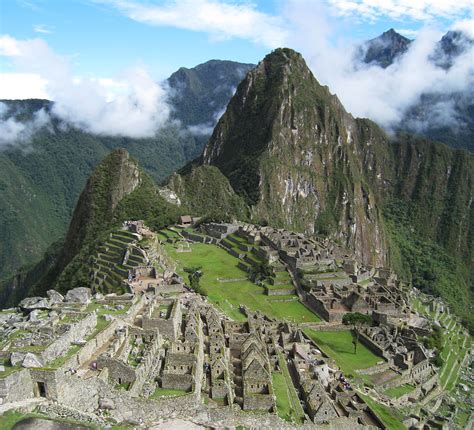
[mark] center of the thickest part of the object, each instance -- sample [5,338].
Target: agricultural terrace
[456,344]
[228,287]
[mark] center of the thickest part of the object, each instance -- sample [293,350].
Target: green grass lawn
[400,390]
[338,345]
[389,416]
[160,392]
[287,401]
[218,263]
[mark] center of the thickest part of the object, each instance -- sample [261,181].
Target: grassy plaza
[227,286]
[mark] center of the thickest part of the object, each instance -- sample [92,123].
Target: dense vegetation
[116,191]
[427,265]
[201,93]
[205,191]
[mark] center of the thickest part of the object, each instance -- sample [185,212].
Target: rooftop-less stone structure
[159,351]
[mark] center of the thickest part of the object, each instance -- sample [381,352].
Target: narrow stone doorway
[40,389]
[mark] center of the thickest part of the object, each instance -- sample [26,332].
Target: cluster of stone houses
[405,355]
[163,336]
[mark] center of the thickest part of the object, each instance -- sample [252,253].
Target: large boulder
[16,358]
[35,315]
[54,297]
[106,403]
[31,303]
[79,295]
[31,360]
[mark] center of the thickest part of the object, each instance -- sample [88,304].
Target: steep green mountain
[119,190]
[301,161]
[203,92]
[204,190]
[289,149]
[40,180]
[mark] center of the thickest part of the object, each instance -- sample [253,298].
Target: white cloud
[22,86]
[466,26]
[221,20]
[401,9]
[13,131]
[370,91]
[43,29]
[9,46]
[129,105]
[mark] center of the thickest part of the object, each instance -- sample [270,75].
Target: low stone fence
[224,280]
[65,413]
[279,291]
[329,327]
[375,369]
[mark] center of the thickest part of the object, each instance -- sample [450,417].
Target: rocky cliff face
[436,181]
[291,150]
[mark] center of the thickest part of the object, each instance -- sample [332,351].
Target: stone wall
[76,332]
[258,402]
[17,386]
[177,382]
[317,306]
[52,380]
[167,327]
[279,291]
[365,340]
[147,364]
[119,372]
[88,350]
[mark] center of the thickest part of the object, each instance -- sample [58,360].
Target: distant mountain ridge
[445,117]
[39,185]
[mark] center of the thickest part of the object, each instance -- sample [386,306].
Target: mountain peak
[281,136]
[384,49]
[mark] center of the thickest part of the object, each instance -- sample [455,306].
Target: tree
[194,275]
[357,321]
[260,273]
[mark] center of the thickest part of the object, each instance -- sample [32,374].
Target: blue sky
[101,38]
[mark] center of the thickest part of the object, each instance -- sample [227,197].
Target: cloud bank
[132,105]
[371,10]
[383,95]
[20,132]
